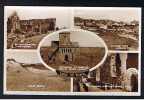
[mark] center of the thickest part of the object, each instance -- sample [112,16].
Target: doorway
[66,58]
[134,83]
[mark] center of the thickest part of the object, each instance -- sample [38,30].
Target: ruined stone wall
[106,71]
[13,23]
[45,52]
[38,25]
[105,74]
[66,54]
[64,39]
[29,26]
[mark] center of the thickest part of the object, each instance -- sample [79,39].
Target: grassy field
[32,40]
[27,81]
[36,39]
[114,39]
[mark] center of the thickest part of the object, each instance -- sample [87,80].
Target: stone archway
[132,79]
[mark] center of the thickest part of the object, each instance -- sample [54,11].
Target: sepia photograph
[118,27]
[119,73]
[72,50]
[24,72]
[64,50]
[26,26]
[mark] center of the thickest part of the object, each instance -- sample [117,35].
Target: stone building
[61,51]
[31,26]
[13,23]
[120,70]
[67,53]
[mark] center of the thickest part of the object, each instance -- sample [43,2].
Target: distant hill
[14,66]
[25,65]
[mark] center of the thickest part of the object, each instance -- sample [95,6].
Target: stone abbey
[68,53]
[37,26]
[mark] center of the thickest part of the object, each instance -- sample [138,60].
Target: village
[117,35]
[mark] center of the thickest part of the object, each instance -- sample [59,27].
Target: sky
[84,39]
[117,14]
[24,56]
[62,15]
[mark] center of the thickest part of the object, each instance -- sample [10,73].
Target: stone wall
[106,71]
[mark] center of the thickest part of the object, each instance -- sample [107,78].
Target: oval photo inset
[72,51]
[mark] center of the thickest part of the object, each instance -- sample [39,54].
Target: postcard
[93,51]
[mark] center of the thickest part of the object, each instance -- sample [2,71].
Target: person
[76,85]
[84,81]
[85,87]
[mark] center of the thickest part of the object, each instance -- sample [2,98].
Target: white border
[75,93]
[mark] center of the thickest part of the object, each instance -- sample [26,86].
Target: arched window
[62,50]
[118,64]
[132,79]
